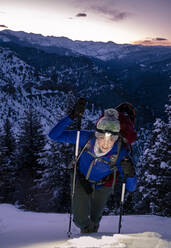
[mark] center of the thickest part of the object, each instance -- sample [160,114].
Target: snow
[163,165]
[21,229]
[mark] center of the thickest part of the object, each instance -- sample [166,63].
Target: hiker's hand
[128,167]
[78,109]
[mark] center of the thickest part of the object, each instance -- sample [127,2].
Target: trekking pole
[75,165]
[122,203]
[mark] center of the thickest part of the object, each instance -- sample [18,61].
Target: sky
[144,22]
[25,229]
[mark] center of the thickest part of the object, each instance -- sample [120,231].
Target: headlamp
[106,131]
[107,135]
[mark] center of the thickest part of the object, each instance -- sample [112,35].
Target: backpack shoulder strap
[114,157]
[85,147]
[113,162]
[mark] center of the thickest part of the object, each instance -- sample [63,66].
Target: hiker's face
[106,142]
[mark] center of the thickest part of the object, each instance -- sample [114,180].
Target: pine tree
[7,163]
[31,142]
[154,172]
[55,180]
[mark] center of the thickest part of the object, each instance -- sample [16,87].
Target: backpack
[127,117]
[127,109]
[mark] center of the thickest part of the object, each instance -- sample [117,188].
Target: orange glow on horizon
[152,42]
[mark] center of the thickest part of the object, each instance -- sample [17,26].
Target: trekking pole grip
[79,123]
[81,106]
[125,177]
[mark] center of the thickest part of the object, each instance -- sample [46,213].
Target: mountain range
[36,67]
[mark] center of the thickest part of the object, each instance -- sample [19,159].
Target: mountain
[101,50]
[34,66]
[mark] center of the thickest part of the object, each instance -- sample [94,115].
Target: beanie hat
[109,122]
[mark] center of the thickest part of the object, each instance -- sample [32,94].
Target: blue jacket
[99,169]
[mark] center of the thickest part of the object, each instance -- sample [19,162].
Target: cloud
[111,13]
[3,26]
[158,38]
[106,8]
[119,16]
[81,15]
[158,41]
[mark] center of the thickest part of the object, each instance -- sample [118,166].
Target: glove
[78,109]
[128,167]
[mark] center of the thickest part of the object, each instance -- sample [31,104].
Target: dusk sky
[121,21]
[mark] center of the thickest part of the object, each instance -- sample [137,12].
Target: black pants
[89,207]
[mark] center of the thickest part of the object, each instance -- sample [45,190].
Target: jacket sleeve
[131,182]
[60,133]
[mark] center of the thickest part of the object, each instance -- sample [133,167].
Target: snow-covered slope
[13,69]
[19,229]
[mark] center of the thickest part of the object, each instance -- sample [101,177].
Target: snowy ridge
[100,50]
[105,51]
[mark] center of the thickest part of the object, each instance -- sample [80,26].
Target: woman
[103,154]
